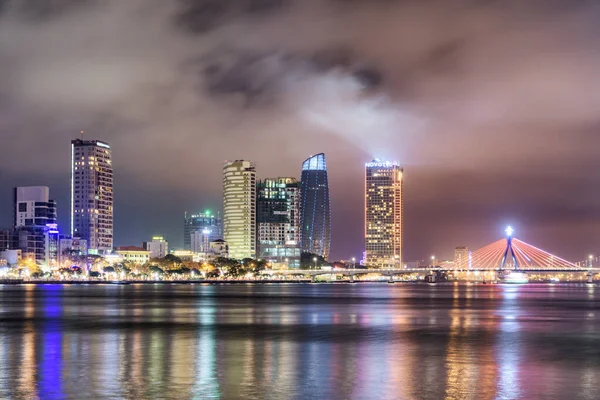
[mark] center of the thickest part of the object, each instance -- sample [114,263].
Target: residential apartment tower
[92,194]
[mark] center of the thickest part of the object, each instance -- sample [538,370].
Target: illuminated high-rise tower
[278,221]
[239,208]
[315,210]
[92,194]
[384,204]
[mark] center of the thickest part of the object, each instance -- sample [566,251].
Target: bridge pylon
[509,251]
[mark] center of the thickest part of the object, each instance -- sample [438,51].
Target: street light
[353,262]
[432,261]
[315,261]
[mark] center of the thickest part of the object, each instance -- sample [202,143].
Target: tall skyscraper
[278,221]
[92,194]
[314,205]
[384,220]
[36,231]
[239,208]
[207,223]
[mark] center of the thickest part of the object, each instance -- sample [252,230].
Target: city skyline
[447,254]
[300,199]
[490,117]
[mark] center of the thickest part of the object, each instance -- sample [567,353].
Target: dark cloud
[201,16]
[261,78]
[492,106]
[40,11]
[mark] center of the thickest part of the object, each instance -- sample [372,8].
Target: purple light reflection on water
[300,341]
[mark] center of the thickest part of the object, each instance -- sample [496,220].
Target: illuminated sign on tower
[384,220]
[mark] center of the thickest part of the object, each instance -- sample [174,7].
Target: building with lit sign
[158,247]
[239,208]
[278,221]
[92,194]
[315,210]
[384,204]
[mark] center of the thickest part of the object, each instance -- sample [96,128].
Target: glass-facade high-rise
[384,203]
[278,221]
[207,224]
[315,210]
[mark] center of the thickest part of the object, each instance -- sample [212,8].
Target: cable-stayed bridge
[513,253]
[505,255]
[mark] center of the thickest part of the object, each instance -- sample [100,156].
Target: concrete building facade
[239,208]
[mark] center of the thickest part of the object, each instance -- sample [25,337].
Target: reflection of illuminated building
[181,364]
[384,203]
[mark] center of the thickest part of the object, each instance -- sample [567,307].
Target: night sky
[492,107]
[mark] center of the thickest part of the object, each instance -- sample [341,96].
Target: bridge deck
[413,271]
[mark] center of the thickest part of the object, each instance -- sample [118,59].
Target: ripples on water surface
[299,341]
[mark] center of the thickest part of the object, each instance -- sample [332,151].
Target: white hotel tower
[92,194]
[384,219]
[239,208]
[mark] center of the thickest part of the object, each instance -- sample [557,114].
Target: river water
[299,341]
